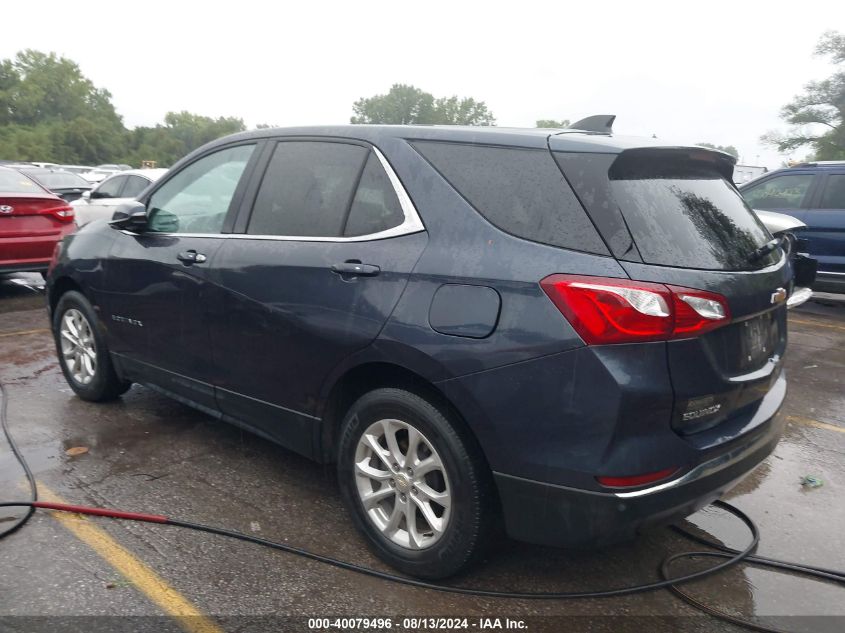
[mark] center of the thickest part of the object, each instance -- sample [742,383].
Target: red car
[32,221]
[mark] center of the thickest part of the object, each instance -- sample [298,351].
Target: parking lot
[148,453]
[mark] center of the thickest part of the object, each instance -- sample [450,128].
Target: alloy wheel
[402,484]
[79,349]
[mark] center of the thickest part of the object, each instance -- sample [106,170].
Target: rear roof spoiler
[597,124]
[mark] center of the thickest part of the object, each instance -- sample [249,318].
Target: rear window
[14,182]
[520,191]
[683,212]
[60,180]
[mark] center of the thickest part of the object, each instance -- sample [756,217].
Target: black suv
[578,332]
[815,194]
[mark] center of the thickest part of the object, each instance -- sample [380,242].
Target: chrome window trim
[412,223]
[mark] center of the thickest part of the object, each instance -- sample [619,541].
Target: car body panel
[282,320]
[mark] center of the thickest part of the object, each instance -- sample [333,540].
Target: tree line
[50,111]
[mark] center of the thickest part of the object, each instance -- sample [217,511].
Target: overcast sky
[705,71]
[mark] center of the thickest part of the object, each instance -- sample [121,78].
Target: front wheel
[413,485]
[82,350]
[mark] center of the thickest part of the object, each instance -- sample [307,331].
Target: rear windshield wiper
[765,249]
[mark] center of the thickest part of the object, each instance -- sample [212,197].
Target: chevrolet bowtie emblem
[779,296]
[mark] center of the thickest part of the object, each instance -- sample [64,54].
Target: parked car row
[32,221]
[40,205]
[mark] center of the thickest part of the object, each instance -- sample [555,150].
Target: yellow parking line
[145,579]
[817,323]
[816,423]
[24,332]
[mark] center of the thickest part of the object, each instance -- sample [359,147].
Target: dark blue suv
[580,333]
[815,194]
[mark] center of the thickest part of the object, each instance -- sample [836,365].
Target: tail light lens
[64,213]
[605,310]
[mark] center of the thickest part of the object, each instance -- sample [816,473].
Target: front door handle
[354,268]
[191,257]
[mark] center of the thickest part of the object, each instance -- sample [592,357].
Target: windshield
[683,212]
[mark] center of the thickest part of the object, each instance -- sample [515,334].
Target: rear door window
[307,189]
[834,192]
[683,212]
[134,186]
[780,192]
[520,191]
[110,188]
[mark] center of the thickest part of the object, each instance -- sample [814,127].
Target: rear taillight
[607,310]
[64,213]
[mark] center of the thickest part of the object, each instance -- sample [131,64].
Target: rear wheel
[82,350]
[412,484]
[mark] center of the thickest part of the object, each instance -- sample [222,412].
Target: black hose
[731,557]
[30,478]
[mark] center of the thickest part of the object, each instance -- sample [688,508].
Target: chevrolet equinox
[577,333]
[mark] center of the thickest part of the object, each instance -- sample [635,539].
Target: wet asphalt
[150,454]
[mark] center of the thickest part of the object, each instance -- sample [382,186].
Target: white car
[115,190]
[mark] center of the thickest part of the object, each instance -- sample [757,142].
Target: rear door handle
[354,268]
[191,257]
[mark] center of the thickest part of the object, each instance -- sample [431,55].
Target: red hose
[102,512]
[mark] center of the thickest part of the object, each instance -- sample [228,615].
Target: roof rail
[819,163]
[597,124]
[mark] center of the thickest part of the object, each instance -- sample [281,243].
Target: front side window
[197,198]
[834,192]
[307,189]
[780,192]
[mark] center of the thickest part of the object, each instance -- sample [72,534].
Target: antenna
[598,124]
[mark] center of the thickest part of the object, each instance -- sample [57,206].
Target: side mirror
[86,195]
[131,216]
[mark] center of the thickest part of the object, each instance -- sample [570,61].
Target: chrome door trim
[411,224]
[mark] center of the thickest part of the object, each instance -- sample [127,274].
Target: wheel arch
[375,374]
[60,286]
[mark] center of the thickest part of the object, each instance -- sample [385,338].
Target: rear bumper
[561,516]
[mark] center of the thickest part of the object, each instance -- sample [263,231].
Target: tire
[94,378]
[464,522]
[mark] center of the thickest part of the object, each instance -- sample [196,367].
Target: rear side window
[307,189]
[13,182]
[780,192]
[834,192]
[683,212]
[520,191]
